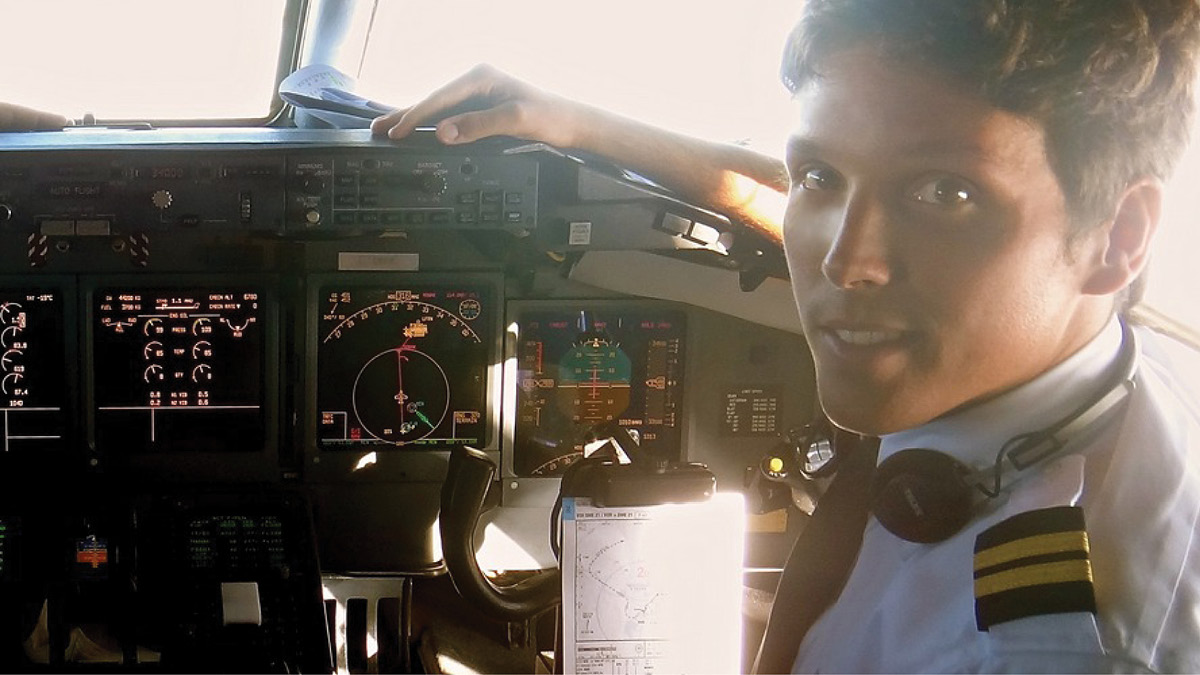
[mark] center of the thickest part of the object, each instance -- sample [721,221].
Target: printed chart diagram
[652,589]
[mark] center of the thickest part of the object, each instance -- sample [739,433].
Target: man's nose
[859,255]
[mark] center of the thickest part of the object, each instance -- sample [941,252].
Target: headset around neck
[927,496]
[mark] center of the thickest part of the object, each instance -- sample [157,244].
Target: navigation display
[585,374]
[178,369]
[32,370]
[404,367]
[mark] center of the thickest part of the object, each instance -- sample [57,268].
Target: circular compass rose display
[399,367]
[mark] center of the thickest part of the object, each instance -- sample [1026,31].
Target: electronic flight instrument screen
[236,544]
[404,366]
[32,370]
[178,368]
[10,533]
[583,374]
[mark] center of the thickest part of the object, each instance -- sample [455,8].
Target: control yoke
[468,476]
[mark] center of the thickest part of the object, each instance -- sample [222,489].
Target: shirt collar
[974,435]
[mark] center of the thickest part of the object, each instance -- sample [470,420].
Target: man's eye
[819,178]
[945,191]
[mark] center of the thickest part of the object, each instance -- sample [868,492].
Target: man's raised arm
[737,181]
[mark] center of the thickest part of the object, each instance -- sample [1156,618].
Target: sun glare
[706,69]
[142,59]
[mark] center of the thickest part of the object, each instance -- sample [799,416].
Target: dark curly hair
[1110,81]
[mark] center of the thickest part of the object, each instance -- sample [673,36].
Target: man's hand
[747,185]
[495,104]
[19,118]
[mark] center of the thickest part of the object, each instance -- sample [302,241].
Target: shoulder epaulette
[1031,564]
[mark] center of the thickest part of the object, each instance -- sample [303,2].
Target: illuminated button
[369,181]
[370,199]
[348,199]
[466,217]
[493,197]
[343,218]
[440,217]
[489,217]
[513,216]
[393,218]
[368,218]
[513,198]
[346,180]
[471,197]
[415,218]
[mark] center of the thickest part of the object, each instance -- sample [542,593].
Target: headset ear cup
[919,495]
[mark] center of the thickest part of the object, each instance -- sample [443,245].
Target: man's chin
[870,419]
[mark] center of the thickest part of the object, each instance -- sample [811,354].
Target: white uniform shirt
[909,607]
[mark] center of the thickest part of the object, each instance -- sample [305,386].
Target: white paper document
[327,94]
[652,589]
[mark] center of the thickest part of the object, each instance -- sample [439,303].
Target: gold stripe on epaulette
[1041,544]
[1034,575]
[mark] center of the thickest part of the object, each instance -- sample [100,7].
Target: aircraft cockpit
[281,395]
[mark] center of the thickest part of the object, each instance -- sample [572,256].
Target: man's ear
[1125,240]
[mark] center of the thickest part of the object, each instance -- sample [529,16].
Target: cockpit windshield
[705,69]
[143,60]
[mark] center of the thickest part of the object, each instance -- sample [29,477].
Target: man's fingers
[19,118]
[502,120]
[439,104]
[478,89]
[382,124]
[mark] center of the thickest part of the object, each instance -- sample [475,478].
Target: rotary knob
[161,199]
[312,185]
[433,184]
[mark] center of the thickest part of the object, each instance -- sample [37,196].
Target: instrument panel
[178,368]
[404,365]
[290,182]
[32,369]
[587,372]
[337,313]
[398,364]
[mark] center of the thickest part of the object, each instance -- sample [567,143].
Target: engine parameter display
[404,367]
[236,544]
[178,369]
[32,375]
[583,375]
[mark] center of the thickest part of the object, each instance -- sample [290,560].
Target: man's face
[927,240]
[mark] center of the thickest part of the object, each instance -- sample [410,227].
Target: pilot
[974,186]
